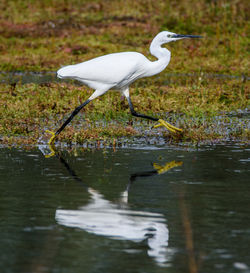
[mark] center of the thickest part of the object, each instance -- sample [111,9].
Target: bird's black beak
[186,36]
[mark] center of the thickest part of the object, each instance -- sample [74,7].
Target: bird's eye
[169,35]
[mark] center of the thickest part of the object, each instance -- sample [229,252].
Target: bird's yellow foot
[169,126]
[52,151]
[169,165]
[53,137]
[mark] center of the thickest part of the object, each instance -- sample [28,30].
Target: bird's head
[167,36]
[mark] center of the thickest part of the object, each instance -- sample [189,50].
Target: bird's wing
[109,69]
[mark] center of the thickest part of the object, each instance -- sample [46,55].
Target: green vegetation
[45,35]
[32,108]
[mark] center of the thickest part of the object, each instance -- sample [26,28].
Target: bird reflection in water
[103,217]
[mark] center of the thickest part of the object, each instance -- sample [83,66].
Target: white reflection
[116,221]
[102,217]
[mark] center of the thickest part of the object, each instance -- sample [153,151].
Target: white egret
[118,71]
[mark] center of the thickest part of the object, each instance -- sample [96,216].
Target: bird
[118,71]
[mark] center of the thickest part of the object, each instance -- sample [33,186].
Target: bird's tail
[65,72]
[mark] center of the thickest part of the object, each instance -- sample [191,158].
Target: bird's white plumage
[115,70]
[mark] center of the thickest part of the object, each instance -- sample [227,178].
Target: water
[117,211]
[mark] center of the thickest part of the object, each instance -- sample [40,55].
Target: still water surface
[117,211]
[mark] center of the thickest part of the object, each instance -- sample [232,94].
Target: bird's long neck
[162,54]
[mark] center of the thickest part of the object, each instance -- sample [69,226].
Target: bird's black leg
[75,112]
[162,122]
[138,114]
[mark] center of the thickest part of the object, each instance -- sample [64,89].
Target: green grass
[44,35]
[194,106]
